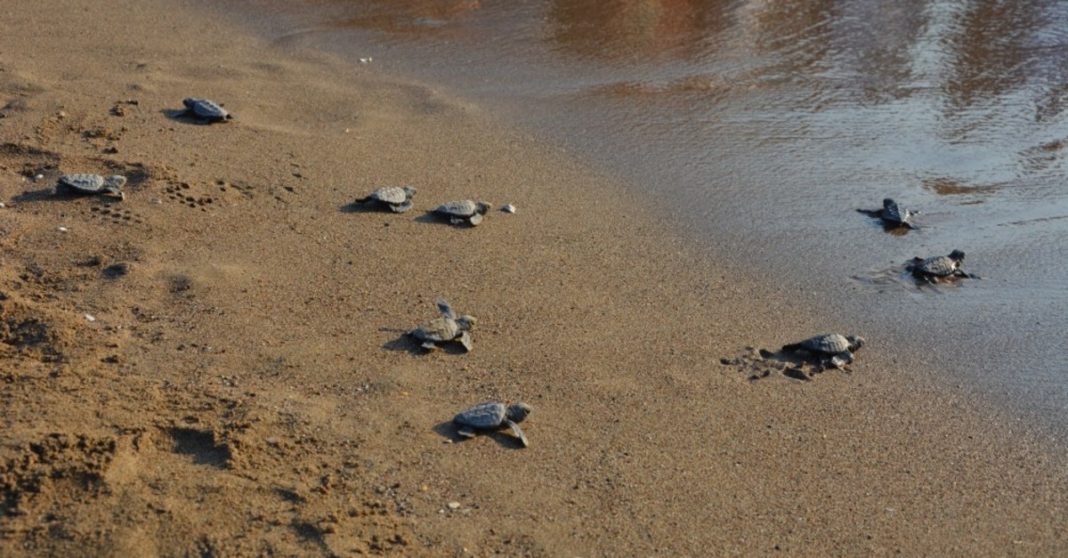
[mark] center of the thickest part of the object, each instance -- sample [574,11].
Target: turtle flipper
[401,208]
[466,432]
[445,308]
[840,360]
[429,345]
[465,340]
[456,220]
[517,432]
[475,219]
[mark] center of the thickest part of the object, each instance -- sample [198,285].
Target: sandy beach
[216,365]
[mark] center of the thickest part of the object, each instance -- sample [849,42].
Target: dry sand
[243,388]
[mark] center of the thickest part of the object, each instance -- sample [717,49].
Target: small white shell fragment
[62,229]
[367,60]
[508,208]
[90,317]
[454,505]
[38,177]
[2,205]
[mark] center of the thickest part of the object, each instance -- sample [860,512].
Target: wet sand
[766,124]
[243,387]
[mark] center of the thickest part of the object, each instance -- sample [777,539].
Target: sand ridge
[244,386]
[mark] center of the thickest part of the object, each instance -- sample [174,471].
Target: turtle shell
[390,194]
[938,266]
[893,213]
[488,415]
[86,183]
[206,109]
[460,208]
[438,329]
[827,343]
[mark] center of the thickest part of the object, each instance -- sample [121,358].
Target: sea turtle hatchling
[490,416]
[463,211]
[205,109]
[92,184]
[397,198]
[833,349]
[448,327]
[940,267]
[892,215]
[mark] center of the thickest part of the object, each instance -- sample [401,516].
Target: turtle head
[957,255]
[887,202]
[114,184]
[466,322]
[517,412]
[409,191]
[189,102]
[855,342]
[483,207]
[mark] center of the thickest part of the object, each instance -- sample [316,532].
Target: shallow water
[767,123]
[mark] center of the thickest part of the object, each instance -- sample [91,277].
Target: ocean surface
[763,125]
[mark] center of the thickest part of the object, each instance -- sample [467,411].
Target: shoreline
[250,358]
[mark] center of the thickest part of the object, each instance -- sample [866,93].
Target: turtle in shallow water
[397,198]
[892,215]
[205,110]
[939,267]
[462,211]
[834,350]
[448,327]
[492,415]
[92,184]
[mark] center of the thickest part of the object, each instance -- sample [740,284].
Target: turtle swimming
[939,267]
[833,349]
[205,110]
[448,327]
[397,199]
[492,415]
[462,211]
[892,215]
[92,184]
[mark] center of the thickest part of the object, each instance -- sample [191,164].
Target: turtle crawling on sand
[490,416]
[892,215]
[833,349]
[462,211]
[397,199]
[205,110]
[939,267]
[92,184]
[449,327]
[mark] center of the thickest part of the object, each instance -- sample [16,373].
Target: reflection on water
[773,119]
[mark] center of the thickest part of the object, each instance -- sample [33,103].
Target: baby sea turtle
[939,267]
[492,415]
[92,184]
[892,215]
[206,110]
[397,199]
[833,349]
[447,328]
[463,211]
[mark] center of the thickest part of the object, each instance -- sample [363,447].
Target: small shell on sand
[508,208]
[62,229]
[90,318]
